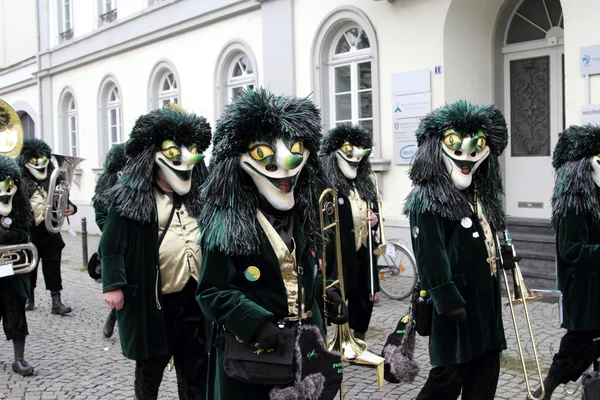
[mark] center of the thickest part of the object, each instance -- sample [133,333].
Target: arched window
[68,124]
[345,74]
[111,115]
[535,20]
[168,92]
[235,72]
[28,125]
[352,87]
[241,76]
[164,86]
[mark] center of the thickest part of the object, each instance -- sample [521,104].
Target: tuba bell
[58,191]
[351,350]
[23,257]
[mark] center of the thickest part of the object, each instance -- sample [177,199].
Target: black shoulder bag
[267,367]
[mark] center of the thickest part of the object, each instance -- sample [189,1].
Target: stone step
[529,225]
[528,254]
[534,243]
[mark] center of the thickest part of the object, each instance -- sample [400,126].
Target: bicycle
[397,270]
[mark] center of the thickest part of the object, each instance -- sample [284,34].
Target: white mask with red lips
[348,159]
[462,155]
[176,164]
[596,169]
[274,168]
[7,192]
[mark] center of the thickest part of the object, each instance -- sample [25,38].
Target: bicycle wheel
[397,271]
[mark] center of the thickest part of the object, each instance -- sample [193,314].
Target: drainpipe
[40,122]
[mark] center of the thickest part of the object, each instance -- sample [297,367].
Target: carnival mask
[38,167]
[596,169]
[463,155]
[274,168]
[7,192]
[176,164]
[348,159]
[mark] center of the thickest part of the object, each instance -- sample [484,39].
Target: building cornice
[149,26]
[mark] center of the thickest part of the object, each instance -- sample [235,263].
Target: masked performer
[576,219]
[260,223]
[345,161]
[455,209]
[15,220]
[37,168]
[150,259]
[113,169]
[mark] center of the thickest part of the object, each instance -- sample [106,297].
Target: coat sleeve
[74,207]
[112,248]
[573,242]
[222,302]
[429,245]
[101,215]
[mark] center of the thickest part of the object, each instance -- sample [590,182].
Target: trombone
[351,350]
[521,294]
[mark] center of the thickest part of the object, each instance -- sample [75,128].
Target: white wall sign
[411,100]
[590,114]
[589,60]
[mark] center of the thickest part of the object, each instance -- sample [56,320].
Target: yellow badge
[252,274]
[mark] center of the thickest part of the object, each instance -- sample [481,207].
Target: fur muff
[332,141]
[318,371]
[20,214]
[115,162]
[433,189]
[574,186]
[132,195]
[230,197]
[34,148]
[399,351]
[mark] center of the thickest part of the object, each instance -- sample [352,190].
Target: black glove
[268,336]
[337,315]
[508,260]
[10,237]
[458,315]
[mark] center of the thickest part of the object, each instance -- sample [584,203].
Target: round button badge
[252,274]
[466,222]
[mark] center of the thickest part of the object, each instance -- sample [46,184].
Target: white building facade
[79,72]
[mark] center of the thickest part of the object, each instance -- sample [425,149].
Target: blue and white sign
[589,60]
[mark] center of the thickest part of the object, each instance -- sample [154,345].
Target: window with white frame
[71,126]
[113,115]
[240,77]
[65,19]
[28,124]
[108,11]
[351,84]
[168,91]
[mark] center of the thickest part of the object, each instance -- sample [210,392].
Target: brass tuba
[23,257]
[351,350]
[58,191]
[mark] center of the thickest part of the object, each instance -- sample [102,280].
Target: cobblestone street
[72,360]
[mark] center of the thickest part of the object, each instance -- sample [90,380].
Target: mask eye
[33,160]
[347,149]
[172,153]
[261,151]
[297,148]
[11,184]
[453,141]
[481,143]
[120,174]
[194,150]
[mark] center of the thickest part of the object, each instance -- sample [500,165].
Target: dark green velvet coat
[352,260]
[453,270]
[578,262]
[130,262]
[231,301]
[101,215]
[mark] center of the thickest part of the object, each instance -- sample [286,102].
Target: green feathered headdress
[133,194]
[115,162]
[573,183]
[433,189]
[332,141]
[230,197]
[20,215]
[34,148]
